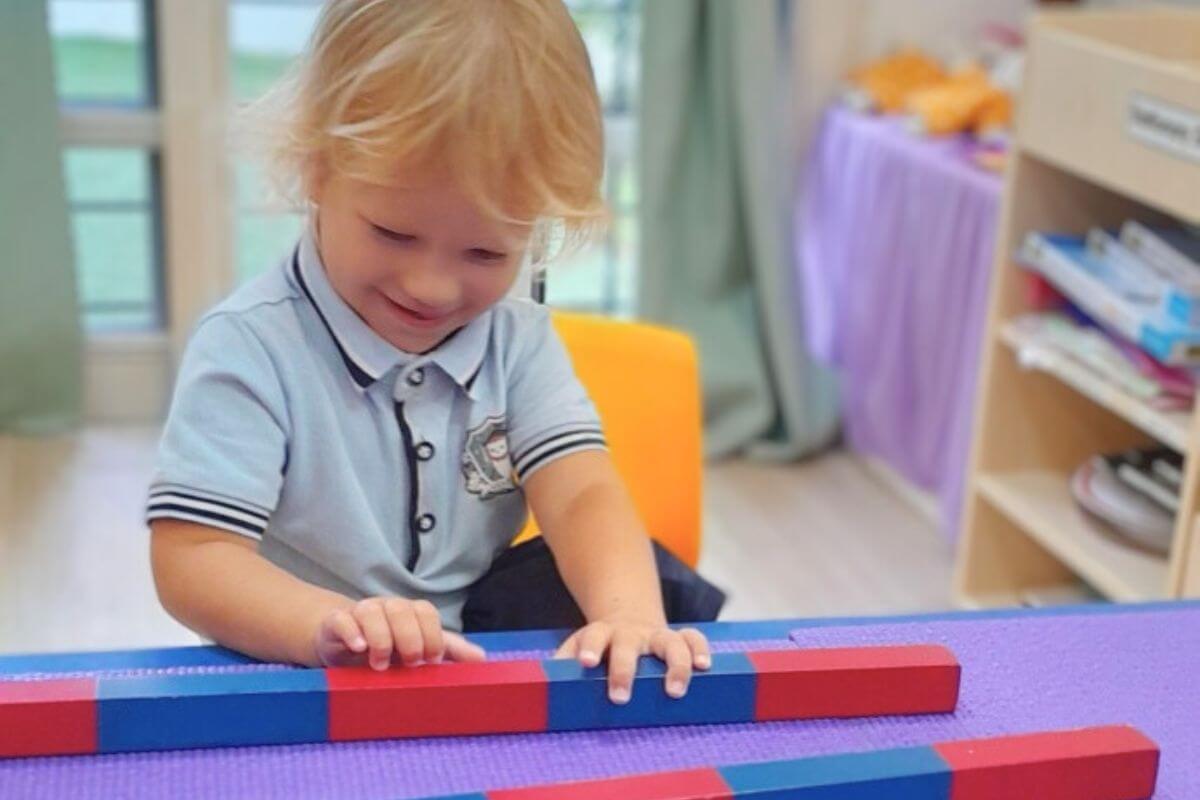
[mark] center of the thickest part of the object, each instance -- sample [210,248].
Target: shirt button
[426,523]
[425,451]
[416,377]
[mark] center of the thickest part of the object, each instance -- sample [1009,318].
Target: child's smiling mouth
[414,318]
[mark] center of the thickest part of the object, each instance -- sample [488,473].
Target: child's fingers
[594,640]
[673,649]
[701,653]
[569,648]
[343,628]
[371,618]
[623,652]
[430,623]
[407,640]
[459,649]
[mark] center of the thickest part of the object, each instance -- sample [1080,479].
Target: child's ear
[315,179]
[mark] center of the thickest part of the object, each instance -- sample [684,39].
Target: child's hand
[624,641]
[377,629]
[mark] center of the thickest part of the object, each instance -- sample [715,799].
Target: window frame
[183,128]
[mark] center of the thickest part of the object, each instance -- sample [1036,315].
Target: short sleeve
[549,412]
[224,447]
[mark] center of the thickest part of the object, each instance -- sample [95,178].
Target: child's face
[417,260]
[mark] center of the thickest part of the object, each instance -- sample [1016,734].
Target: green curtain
[717,167]
[40,338]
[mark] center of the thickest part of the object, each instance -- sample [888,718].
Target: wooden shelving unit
[1075,164]
[1172,428]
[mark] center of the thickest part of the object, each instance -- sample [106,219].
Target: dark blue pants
[523,591]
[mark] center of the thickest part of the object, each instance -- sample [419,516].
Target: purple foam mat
[1019,674]
[1032,673]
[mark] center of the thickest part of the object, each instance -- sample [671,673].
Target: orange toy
[885,85]
[645,382]
[994,118]
[953,105]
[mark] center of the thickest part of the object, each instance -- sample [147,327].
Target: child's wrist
[308,650]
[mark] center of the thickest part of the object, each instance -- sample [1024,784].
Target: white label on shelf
[1164,125]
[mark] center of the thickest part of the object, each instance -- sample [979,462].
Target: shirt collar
[367,355]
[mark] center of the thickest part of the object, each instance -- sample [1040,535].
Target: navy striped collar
[367,355]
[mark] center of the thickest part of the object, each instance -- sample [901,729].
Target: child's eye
[394,236]
[488,256]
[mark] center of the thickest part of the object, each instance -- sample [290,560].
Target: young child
[354,436]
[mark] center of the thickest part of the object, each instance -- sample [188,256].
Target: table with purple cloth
[894,250]
[1023,670]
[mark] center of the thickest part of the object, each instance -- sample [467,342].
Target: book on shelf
[1048,339]
[1178,295]
[1111,295]
[1174,250]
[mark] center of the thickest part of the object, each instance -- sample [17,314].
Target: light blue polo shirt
[357,466]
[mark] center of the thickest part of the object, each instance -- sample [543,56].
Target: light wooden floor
[820,538]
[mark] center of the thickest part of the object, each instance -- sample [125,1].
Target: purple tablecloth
[1022,671]
[895,248]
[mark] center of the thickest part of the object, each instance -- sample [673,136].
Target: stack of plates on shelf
[1136,493]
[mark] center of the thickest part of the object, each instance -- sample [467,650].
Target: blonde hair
[501,91]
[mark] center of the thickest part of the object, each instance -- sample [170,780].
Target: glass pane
[99,50]
[115,267]
[264,232]
[99,175]
[611,30]
[626,241]
[580,281]
[111,203]
[603,278]
[250,186]
[264,36]
[263,239]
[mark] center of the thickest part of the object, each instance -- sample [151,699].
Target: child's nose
[432,284]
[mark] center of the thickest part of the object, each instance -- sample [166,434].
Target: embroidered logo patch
[485,463]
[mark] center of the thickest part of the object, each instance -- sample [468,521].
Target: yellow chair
[645,383]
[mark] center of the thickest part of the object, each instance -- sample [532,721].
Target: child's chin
[412,342]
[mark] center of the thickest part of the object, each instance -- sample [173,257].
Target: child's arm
[217,584]
[607,562]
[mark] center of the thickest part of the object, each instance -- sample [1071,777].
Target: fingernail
[676,689]
[703,662]
[359,644]
[619,695]
[589,658]
[436,659]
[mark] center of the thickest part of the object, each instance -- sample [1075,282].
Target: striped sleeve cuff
[554,446]
[174,502]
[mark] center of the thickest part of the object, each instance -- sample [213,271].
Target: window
[604,277]
[100,52]
[109,191]
[266,34]
[264,37]
[105,76]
